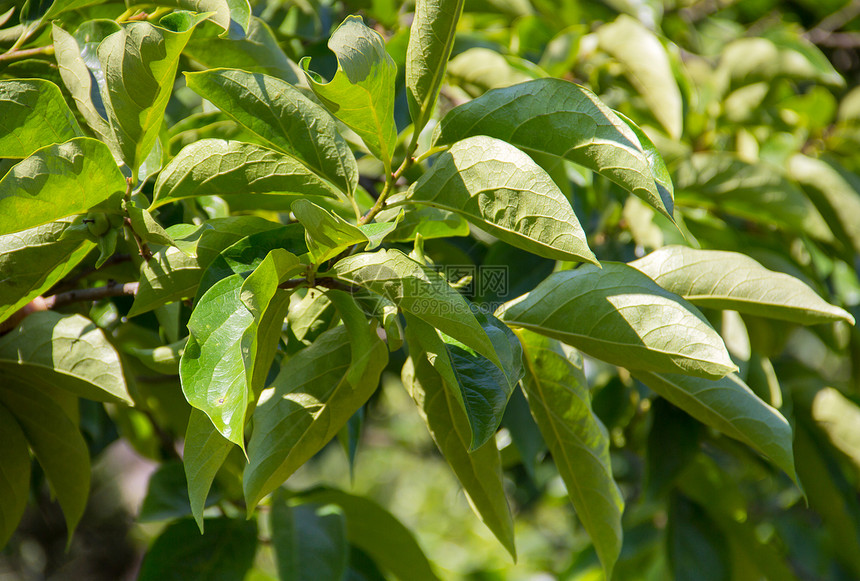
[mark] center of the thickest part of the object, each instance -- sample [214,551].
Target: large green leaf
[212,367]
[361,94]
[730,280]
[205,452]
[309,541]
[279,114]
[479,388]
[218,167]
[139,65]
[33,114]
[257,52]
[500,189]
[308,403]
[647,66]
[558,396]
[55,440]
[479,471]
[66,351]
[222,11]
[728,405]
[418,290]
[58,181]
[629,321]
[15,476]
[583,130]
[835,192]
[379,534]
[431,39]
[34,260]
[75,72]
[226,552]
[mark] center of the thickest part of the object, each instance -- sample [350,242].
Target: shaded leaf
[584,131]
[224,553]
[66,351]
[501,190]
[205,451]
[15,476]
[55,440]
[166,494]
[308,403]
[697,549]
[728,405]
[215,167]
[279,114]
[479,471]
[730,280]
[632,322]
[361,94]
[34,260]
[557,391]
[309,541]
[34,114]
[58,181]
[326,234]
[379,534]
[418,290]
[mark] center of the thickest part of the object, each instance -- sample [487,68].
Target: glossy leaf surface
[34,114]
[730,280]
[632,322]
[501,190]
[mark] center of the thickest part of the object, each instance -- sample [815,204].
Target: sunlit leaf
[34,114]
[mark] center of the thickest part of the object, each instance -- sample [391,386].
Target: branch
[21,54]
[91,294]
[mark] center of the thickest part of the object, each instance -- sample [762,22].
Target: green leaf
[66,351]
[57,7]
[584,131]
[78,79]
[168,276]
[480,388]
[480,69]
[55,440]
[730,280]
[428,221]
[361,94]
[279,114]
[257,52]
[309,318]
[697,548]
[145,226]
[326,234]
[36,259]
[34,114]
[839,418]
[15,476]
[58,181]
[379,534]
[431,39]
[222,11]
[212,367]
[758,192]
[662,178]
[631,321]
[362,337]
[163,359]
[501,190]
[308,403]
[647,66]
[479,471]
[139,64]
[309,541]
[418,290]
[557,391]
[728,405]
[215,167]
[226,552]
[834,191]
[205,451]
[166,494]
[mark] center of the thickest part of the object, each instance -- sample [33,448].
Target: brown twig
[91,294]
[26,53]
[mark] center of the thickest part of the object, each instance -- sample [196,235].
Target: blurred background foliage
[755,106]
